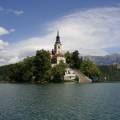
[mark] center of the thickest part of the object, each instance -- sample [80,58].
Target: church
[57,53]
[57,56]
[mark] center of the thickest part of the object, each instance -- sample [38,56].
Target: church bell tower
[57,55]
[58,45]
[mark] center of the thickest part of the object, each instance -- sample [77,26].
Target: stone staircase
[82,78]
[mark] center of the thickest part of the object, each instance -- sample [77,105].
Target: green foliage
[110,72]
[77,78]
[42,64]
[76,59]
[38,69]
[73,59]
[4,72]
[89,69]
[48,76]
[31,69]
[68,56]
[22,71]
[58,72]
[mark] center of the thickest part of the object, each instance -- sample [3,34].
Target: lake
[99,101]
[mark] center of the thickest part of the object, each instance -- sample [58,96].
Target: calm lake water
[60,101]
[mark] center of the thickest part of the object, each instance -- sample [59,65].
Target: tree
[77,78]
[22,71]
[16,72]
[28,68]
[89,69]
[76,60]
[48,76]
[68,56]
[58,72]
[31,69]
[42,63]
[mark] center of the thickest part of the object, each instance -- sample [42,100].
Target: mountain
[105,60]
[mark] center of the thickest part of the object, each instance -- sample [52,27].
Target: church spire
[58,33]
[58,38]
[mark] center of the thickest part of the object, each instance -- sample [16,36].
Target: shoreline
[44,83]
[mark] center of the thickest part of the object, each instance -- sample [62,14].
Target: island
[51,66]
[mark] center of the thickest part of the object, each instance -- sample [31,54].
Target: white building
[69,75]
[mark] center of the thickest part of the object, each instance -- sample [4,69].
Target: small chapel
[57,53]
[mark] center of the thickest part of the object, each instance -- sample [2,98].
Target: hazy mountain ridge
[105,60]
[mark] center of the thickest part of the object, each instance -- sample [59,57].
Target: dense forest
[37,69]
[110,72]
[4,72]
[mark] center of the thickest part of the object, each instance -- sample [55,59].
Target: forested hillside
[4,72]
[37,69]
[110,72]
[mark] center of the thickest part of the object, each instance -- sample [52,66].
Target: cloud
[4,31]
[11,11]
[12,30]
[90,31]
[3,44]
[18,12]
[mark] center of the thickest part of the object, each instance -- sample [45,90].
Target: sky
[90,26]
